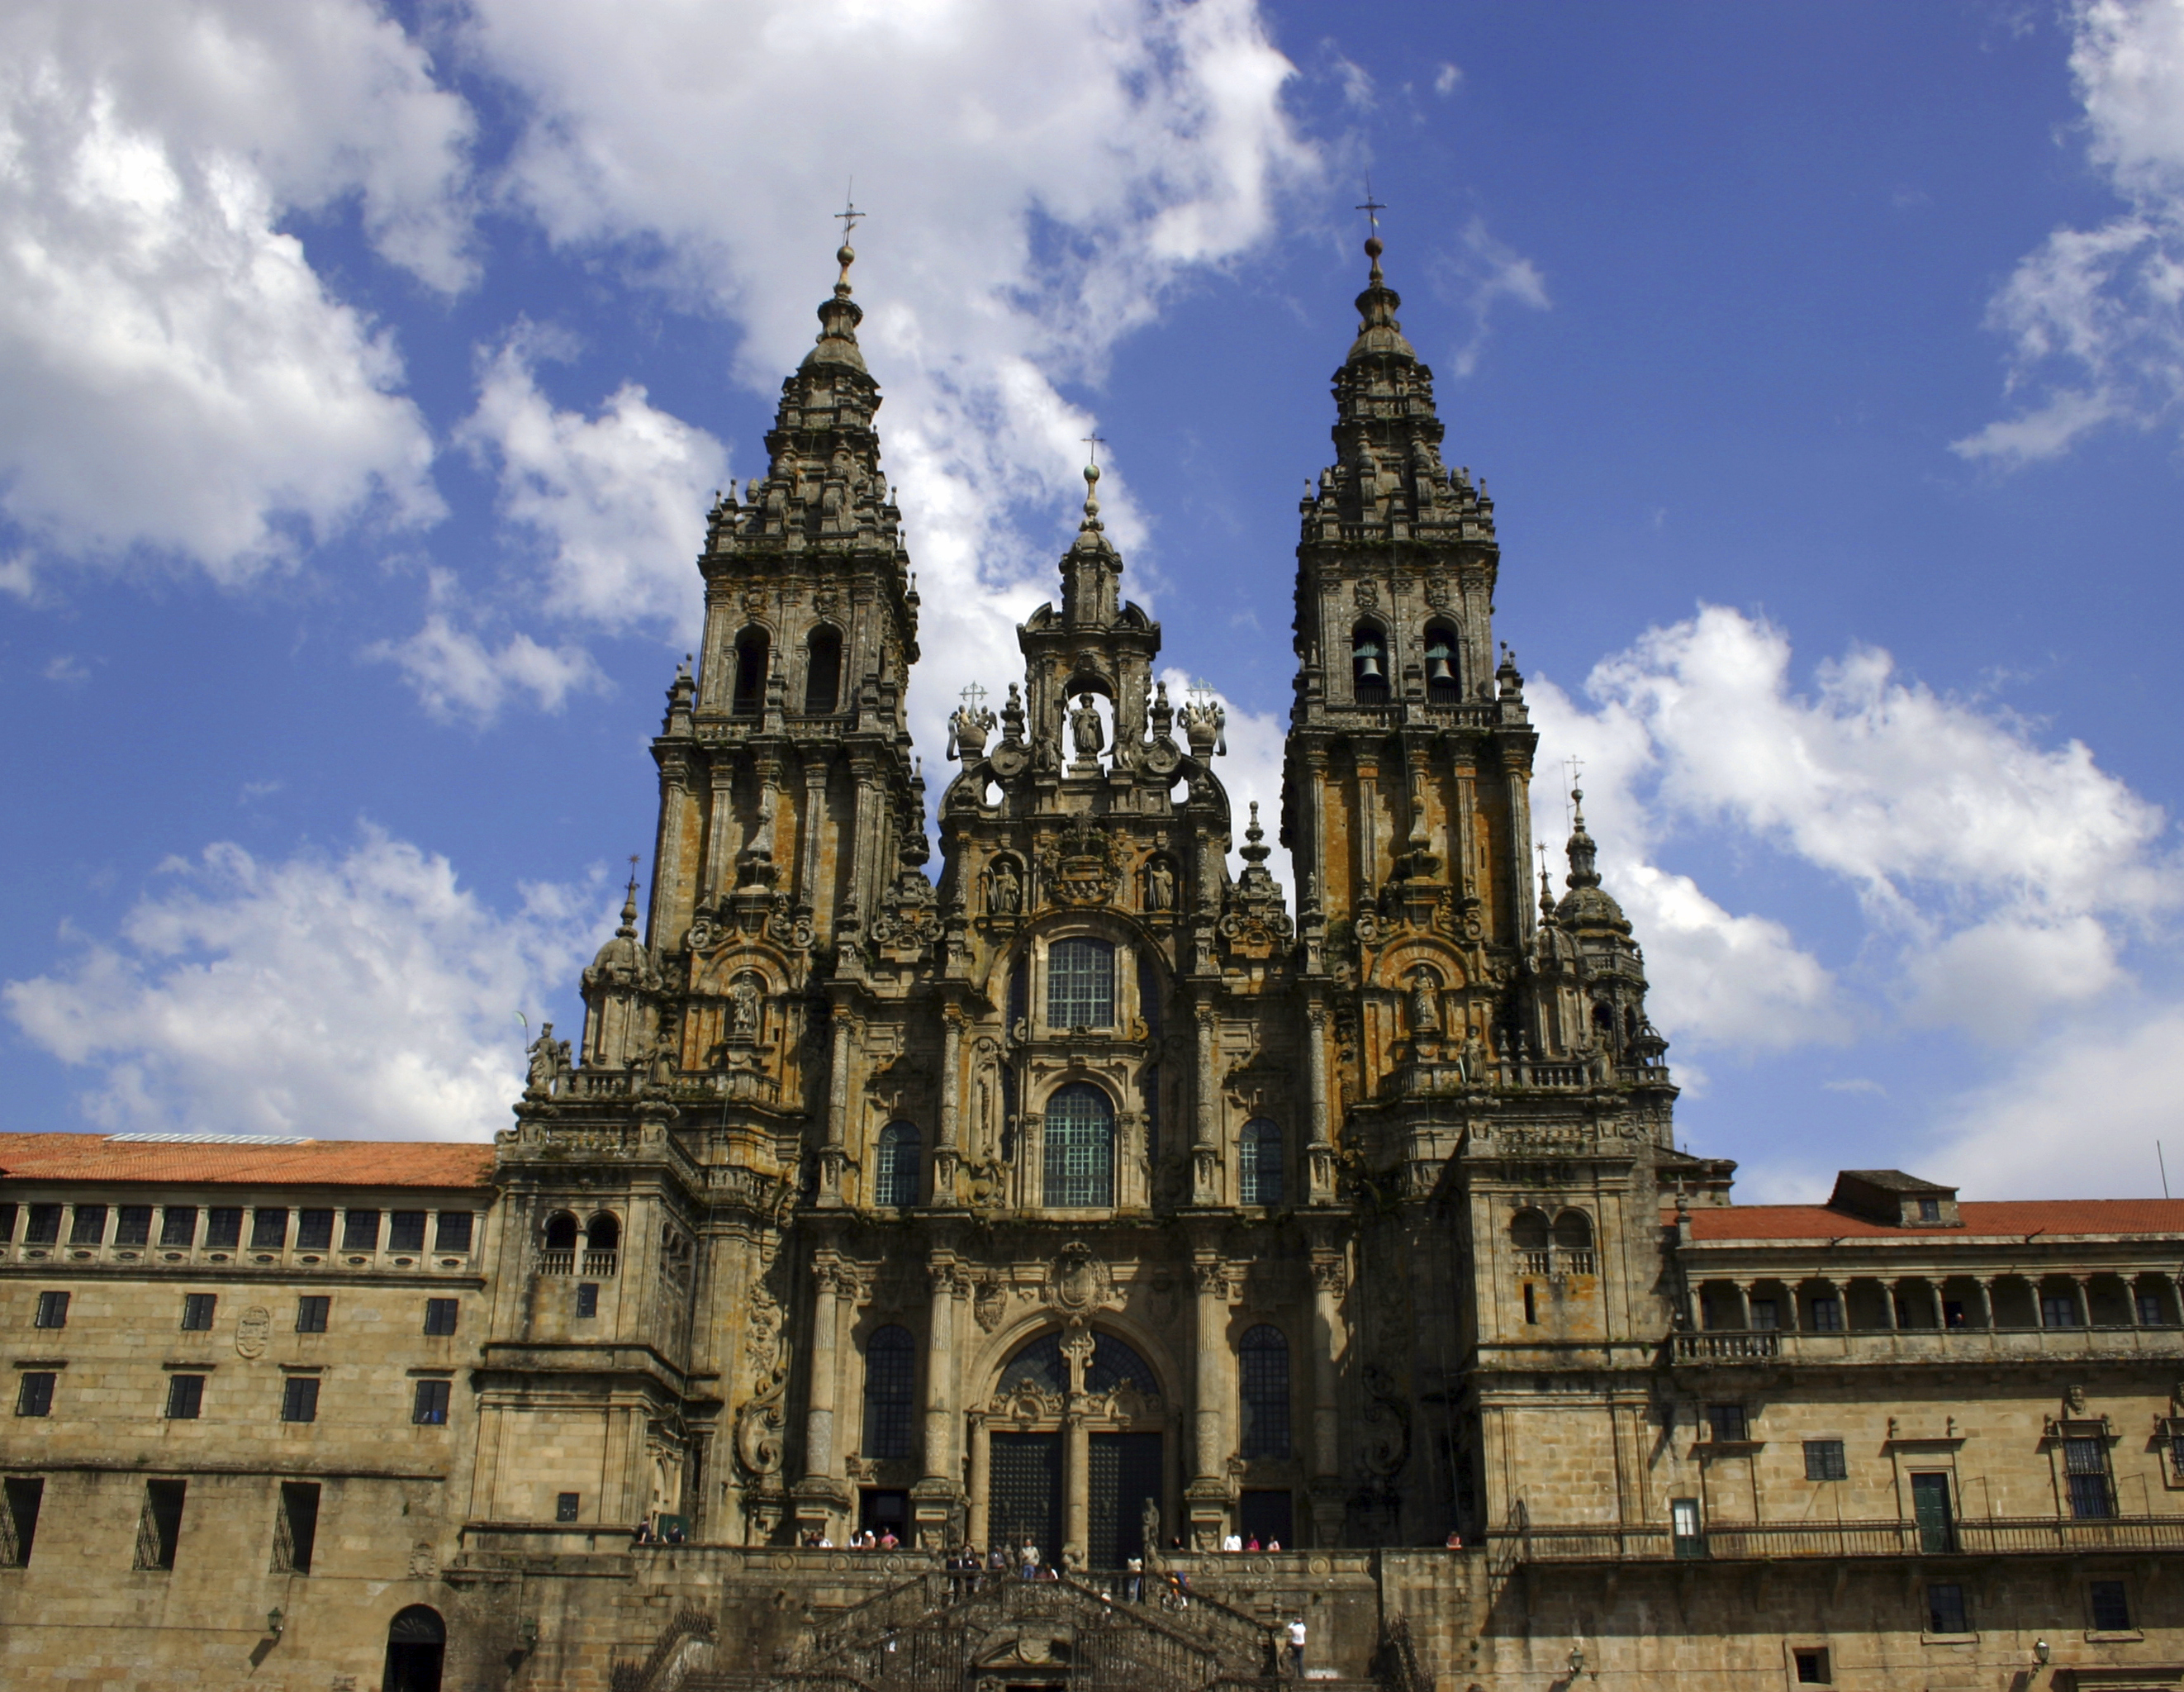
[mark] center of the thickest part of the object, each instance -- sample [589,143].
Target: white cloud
[1049,176]
[459,677]
[1447,79]
[153,315]
[618,500]
[2000,878]
[1478,275]
[367,996]
[2095,317]
[2077,1115]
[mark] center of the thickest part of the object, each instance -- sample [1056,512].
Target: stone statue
[1160,886]
[744,1008]
[1149,1527]
[1086,734]
[1474,1057]
[1004,888]
[967,729]
[1425,1001]
[549,1063]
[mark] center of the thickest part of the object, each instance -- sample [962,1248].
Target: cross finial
[1372,209]
[974,696]
[849,215]
[1094,442]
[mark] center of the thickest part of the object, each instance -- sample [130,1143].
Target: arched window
[1444,678]
[1264,1367]
[1260,1172]
[822,669]
[1080,984]
[1528,1232]
[560,1232]
[890,1391]
[1080,1148]
[1368,665]
[416,1650]
[603,1233]
[752,648]
[896,1181]
[1573,1230]
[1040,1364]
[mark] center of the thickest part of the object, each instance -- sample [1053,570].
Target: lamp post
[2039,1652]
[276,1622]
[1576,1661]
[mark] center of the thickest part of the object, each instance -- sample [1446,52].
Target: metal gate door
[1125,1471]
[1025,1504]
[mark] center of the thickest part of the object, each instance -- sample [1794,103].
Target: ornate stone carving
[1077,1281]
[1082,865]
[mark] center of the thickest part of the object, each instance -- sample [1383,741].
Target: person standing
[1297,1644]
[1134,1587]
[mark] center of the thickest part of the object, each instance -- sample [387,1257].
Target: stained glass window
[1080,984]
[1080,1148]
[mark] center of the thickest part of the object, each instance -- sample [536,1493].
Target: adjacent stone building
[1084,1196]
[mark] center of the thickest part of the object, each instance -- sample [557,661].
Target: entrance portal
[1027,1493]
[1125,1474]
[416,1645]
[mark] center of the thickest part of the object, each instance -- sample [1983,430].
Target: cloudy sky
[366,368]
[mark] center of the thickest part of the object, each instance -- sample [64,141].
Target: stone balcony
[1770,1542]
[1901,1346]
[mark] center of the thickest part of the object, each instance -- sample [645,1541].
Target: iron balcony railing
[1748,1542]
[1900,1345]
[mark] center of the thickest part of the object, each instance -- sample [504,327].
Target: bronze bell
[1368,666]
[1437,667]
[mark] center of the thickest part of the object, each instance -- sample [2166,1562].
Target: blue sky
[364,372]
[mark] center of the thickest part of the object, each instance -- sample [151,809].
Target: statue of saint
[1004,888]
[1160,886]
[1086,733]
[744,1008]
[1425,1001]
[549,1062]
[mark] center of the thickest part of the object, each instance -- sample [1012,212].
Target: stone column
[1888,1307]
[1329,1279]
[1208,1492]
[1987,1299]
[1319,1142]
[1367,821]
[1310,872]
[979,1531]
[722,841]
[811,828]
[821,1495]
[834,1155]
[1205,1121]
[1076,1451]
[670,908]
[947,1152]
[935,1498]
[2084,1283]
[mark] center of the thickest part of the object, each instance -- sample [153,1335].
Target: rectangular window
[1823,1460]
[1685,1528]
[431,1408]
[197,1311]
[268,1229]
[8,1214]
[185,1396]
[2058,1310]
[315,1230]
[1080,984]
[45,1229]
[52,1310]
[360,1230]
[34,1393]
[405,1230]
[2110,1604]
[88,1228]
[300,1398]
[311,1313]
[134,1227]
[588,1300]
[564,1505]
[440,1314]
[296,1529]
[1727,1421]
[19,1520]
[455,1230]
[159,1528]
[179,1226]
[2149,1310]
[1930,1209]
[1937,1517]
[2086,1469]
[224,1226]
[1812,1667]
[1827,1315]
[1945,1608]
[1764,1314]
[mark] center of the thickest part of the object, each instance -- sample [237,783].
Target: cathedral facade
[1330,1253]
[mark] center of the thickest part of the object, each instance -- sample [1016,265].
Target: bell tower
[1405,788]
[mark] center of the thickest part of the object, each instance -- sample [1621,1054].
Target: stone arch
[822,669]
[560,1232]
[1370,658]
[1444,662]
[754,650]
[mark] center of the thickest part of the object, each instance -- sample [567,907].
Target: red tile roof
[309,1163]
[2019,1217]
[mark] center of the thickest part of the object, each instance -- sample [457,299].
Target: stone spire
[1583,855]
[1092,569]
